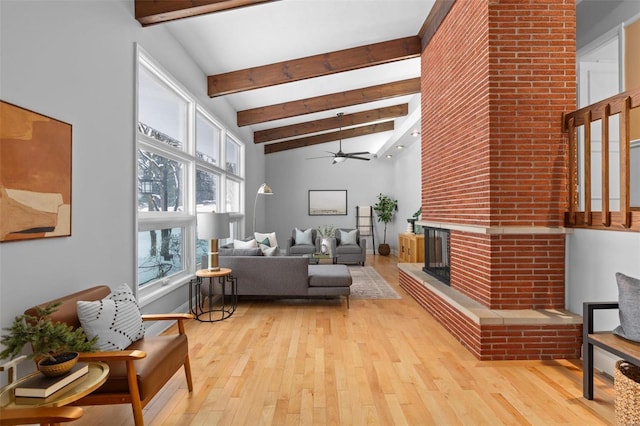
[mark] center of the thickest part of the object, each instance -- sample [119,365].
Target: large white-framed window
[180,148]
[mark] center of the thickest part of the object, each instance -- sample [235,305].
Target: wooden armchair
[137,373]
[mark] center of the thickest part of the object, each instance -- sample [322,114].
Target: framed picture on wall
[328,202]
[35,175]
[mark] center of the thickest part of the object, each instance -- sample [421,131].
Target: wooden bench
[625,349]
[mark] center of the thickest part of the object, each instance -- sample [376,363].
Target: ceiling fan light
[339,159]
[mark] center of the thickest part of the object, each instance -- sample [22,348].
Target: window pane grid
[182,169]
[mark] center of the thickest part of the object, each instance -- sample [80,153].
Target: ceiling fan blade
[359,158]
[324,156]
[358,153]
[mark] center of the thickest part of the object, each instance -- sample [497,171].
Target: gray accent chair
[348,253]
[294,249]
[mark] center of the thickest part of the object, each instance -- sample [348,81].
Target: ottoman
[330,280]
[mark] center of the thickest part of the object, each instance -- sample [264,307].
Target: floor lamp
[213,227]
[263,190]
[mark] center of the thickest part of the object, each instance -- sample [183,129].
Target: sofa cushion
[629,303]
[116,319]
[273,242]
[329,276]
[269,251]
[239,244]
[240,252]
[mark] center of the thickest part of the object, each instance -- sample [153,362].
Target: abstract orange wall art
[35,175]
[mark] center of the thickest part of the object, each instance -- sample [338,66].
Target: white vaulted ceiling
[272,32]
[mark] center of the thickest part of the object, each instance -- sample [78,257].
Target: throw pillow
[269,251]
[238,244]
[348,237]
[629,301]
[273,242]
[116,319]
[265,242]
[303,237]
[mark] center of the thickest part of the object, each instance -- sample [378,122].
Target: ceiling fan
[339,157]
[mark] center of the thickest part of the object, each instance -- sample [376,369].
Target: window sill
[148,296]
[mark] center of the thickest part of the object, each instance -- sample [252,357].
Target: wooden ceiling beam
[150,12]
[315,126]
[438,12]
[327,102]
[314,66]
[329,137]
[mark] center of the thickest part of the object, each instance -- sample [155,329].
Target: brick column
[496,78]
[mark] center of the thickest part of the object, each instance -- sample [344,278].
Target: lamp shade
[213,226]
[265,189]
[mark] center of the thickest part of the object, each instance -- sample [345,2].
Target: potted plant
[326,232]
[416,217]
[384,208]
[51,343]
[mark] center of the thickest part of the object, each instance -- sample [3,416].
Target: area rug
[368,284]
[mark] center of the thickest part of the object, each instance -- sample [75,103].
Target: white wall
[596,17]
[75,61]
[291,175]
[593,257]
[408,184]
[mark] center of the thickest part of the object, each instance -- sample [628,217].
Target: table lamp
[213,227]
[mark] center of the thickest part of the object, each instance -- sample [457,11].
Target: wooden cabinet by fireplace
[411,248]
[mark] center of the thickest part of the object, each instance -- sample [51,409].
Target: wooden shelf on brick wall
[411,248]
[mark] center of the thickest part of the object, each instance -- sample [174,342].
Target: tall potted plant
[385,208]
[51,343]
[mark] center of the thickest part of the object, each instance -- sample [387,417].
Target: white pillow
[269,251]
[270,235]
[348,237]
[116,319]
[304,237]
[239,244]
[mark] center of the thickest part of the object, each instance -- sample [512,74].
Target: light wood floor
[382,362]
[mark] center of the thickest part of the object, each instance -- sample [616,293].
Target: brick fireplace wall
[496,78]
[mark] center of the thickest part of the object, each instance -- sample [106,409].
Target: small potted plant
[51,343]
[385,208]
[326,232]
[416,217]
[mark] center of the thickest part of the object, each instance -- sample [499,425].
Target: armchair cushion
[167,351]
[304,237]
[348,237]
[116,319]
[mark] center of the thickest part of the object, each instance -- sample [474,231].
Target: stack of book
[39,387]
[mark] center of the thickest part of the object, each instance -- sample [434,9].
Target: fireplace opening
[436,254]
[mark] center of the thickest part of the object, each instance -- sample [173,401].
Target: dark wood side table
[227,300]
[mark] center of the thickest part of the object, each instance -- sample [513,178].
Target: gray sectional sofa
[287,277]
